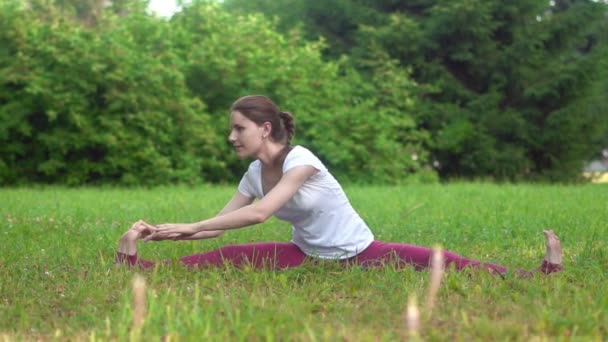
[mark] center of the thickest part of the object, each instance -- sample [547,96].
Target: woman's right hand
[146,231]
[140,227]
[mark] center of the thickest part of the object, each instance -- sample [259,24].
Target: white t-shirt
[324,223]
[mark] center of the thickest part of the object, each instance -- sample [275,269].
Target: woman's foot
[553,255]
[128,242]
[552,262]
[127,246]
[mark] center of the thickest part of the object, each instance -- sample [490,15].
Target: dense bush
[364,131]
[125,97]
[507,89]
[82,105]
[382,91]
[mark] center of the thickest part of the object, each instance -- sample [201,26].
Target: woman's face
[245,135]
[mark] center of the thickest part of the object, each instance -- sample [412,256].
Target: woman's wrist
[197,227]
[200,235]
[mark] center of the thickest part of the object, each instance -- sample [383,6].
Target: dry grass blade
[139,301]
[437,271]
[412,209]
[412,317]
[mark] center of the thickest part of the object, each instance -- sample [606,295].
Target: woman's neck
[273,155]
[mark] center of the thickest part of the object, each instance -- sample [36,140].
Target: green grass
[57,279]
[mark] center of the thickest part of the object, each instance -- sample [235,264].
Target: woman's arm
[249,214]
[238,201]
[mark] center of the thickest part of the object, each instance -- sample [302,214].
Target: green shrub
[120,96]
[363,130]
[103,104]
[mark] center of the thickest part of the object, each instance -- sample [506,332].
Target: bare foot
[128,241]
[553,254]
[553,257]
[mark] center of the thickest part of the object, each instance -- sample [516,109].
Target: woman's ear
[266,129]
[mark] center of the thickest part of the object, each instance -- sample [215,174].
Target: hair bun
[290,127]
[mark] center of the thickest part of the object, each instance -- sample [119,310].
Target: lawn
[58,281]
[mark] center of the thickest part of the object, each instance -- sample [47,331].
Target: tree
[500,83]
[351,123]
[95,105]
[140,100]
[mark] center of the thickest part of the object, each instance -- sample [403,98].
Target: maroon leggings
[281,255]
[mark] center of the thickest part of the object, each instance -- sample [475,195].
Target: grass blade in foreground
[58,279]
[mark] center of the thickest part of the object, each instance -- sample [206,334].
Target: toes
[550,234]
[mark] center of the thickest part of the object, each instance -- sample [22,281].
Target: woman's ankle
[126,259]
[547,268]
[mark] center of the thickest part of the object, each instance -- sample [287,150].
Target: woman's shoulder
[299,150]
[255,166]
[300,155]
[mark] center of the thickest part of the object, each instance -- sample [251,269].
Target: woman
[294,185]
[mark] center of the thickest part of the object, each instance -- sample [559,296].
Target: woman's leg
[382,253]
[258,255]
[399,254]
[273,255]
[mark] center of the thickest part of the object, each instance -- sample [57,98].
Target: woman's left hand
[167,231]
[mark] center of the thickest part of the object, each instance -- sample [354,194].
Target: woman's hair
[260,109]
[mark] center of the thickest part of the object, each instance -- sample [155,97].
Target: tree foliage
[130,98]
[83,105]
[337,114]
[380,89]
[507,90]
